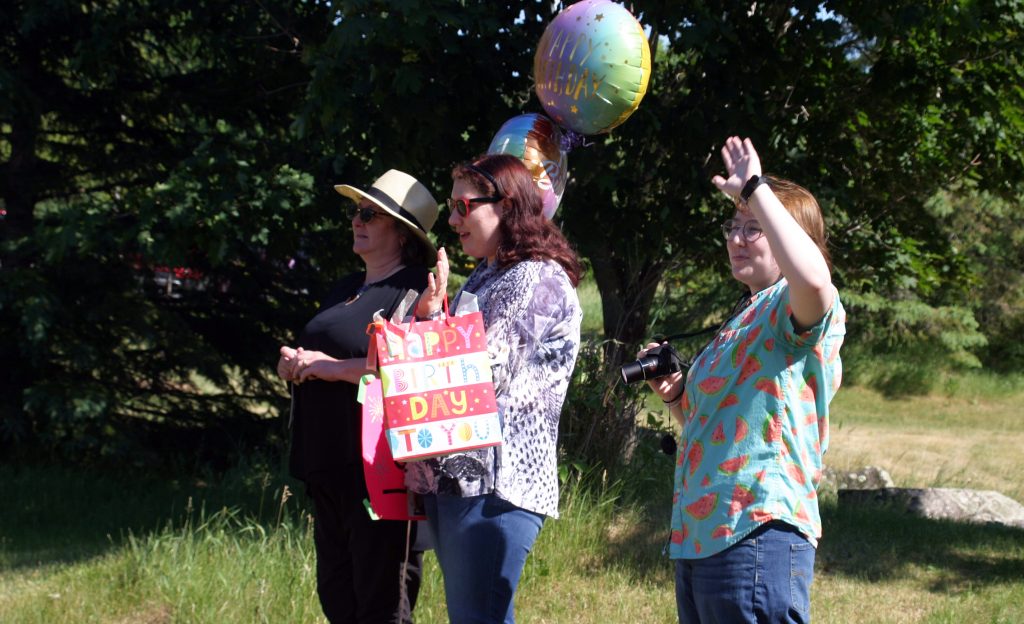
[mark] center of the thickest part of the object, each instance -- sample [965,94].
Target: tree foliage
[874,107]
[856,103]
[139,137]
[143,136]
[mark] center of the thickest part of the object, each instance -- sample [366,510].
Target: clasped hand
[298,365]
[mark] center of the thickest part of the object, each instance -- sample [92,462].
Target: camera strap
[737,307]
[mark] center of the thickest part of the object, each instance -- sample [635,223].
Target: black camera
[659,361]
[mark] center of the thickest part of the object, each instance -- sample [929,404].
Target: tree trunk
[627,292]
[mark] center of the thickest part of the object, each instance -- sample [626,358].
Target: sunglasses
[750,231]
[365,213]
[463,206]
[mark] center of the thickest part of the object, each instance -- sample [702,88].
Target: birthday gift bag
[385,480]
[437,391]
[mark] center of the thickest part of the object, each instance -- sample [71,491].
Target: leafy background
[141,137]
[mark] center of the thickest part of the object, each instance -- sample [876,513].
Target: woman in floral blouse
[754,412]
[485,508]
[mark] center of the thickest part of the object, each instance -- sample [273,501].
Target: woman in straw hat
[359,560]
[485,508]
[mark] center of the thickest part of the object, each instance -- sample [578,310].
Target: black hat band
[395,207]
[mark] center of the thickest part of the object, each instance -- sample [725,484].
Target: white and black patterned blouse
[533,316]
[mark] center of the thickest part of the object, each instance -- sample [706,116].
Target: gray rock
[961,505]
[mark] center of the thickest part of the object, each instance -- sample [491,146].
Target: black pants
[359,560]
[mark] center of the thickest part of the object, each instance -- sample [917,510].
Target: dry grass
[891,568]
[932,441]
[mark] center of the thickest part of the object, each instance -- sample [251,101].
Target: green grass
[590,301]
[90,547]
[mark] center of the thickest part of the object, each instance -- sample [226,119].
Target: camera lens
[639,370]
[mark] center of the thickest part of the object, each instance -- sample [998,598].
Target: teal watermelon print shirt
[756,426]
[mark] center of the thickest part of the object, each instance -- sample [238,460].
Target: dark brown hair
[526,234]
[414,251]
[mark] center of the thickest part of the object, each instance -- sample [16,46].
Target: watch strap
[751,185]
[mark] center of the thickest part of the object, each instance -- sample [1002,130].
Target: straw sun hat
[404,198]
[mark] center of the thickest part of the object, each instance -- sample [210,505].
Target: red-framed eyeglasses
[463,206]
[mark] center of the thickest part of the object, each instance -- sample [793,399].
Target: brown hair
[799,202]
[526,234]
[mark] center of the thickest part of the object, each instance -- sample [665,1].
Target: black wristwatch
[752,184]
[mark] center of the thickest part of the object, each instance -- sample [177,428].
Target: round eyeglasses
[750,230]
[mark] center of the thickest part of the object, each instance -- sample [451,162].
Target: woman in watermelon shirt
[754,411]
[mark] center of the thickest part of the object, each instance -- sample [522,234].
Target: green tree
[417,85]
[872,106]
[988,232]
[136,135]
[150,133]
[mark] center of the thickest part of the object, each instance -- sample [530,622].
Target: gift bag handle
[444,305]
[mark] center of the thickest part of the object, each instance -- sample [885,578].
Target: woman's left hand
[317,365]
[305,360]
[286,363]
[325,370]
[437,287]
[741,162]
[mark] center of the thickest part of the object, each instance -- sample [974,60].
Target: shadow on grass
[879,544]
[876,545]
[639,539]
[640,546]
[52,515]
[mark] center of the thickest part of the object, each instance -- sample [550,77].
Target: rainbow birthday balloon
[538,142]
[592,66]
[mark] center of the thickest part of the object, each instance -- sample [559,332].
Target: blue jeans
[481,543]
[764,578]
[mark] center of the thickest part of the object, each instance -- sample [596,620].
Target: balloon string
[570,140]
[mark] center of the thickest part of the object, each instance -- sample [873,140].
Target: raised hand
[741,162]
[437,286]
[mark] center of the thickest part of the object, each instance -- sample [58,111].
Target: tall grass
[969,436]
[105,548]
[85,547]
[223,568]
